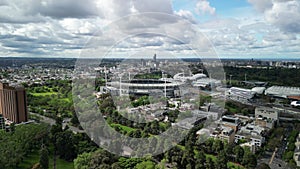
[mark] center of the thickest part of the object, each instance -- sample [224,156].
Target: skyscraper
[13,103]
[154,58]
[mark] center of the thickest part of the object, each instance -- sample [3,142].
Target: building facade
[13,103]
[266,117]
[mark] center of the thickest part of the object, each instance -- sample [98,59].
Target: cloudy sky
[232,28]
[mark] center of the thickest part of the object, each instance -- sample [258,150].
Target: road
[274,163]
[45,119]
[65,123]
[275,159]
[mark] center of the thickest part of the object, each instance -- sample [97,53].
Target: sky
[116,28]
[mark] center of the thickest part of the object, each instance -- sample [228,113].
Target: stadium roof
[282,91]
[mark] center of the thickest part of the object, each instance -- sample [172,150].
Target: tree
[65,145]
[239,154]
[249,160]
[221,162]
[200,160]
[82,161]
[145,165]
[210,164]
[217,146]
[44,158]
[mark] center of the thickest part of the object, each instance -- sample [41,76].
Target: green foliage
[221,162]
[288,155]
[239,153]
[52,100]
[82,161]
[145,165]
[142,101]
[204,99]
[249,160]
[235,107]
[276,76]
[20,143]
[274,140]
[94,160]
[44,158]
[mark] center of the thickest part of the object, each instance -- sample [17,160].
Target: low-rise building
[223,133]
[251,133]
[266,117]
[240,94]
[230,121]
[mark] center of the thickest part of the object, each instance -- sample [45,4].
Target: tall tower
[154,58]
[13,103]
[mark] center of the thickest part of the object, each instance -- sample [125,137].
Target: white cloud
[203,7]
[62,28]
[261,5]
[285,14]
[186,15]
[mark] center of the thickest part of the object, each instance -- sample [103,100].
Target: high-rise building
[154,58]
[13,103]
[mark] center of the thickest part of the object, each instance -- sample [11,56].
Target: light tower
[120,90]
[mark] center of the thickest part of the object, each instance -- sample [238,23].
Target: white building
[283,92]
[240,94]
[183,78]
[252,134]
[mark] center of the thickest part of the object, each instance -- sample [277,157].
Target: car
[295,103]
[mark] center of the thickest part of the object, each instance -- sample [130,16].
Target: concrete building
[223,133]
[240,94]
[13,103]
[252,134]
[266,117]
[189,123]
[144,87]
[230,121]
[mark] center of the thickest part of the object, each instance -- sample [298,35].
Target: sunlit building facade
[13,103]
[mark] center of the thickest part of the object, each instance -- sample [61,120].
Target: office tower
[154,58]
[13,103]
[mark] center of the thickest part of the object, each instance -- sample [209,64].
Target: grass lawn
[65,100]
[232,165]
[44,94]
[125,128]
[34,157]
